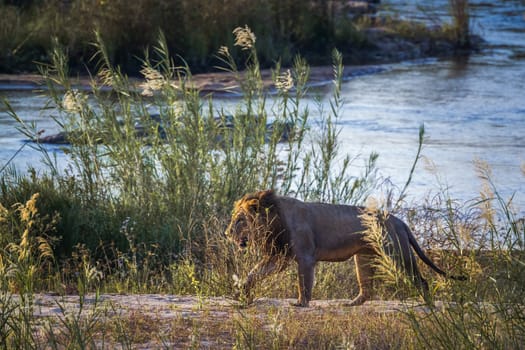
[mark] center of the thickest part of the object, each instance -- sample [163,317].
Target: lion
[287,229]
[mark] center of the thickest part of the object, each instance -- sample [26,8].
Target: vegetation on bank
[146,214]
[195,29]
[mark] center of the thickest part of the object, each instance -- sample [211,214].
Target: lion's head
[255,221]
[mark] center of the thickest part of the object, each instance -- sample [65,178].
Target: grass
[461,22]
[220,325]
[285,28]
[146,215]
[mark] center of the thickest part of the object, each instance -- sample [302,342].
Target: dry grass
[167,321]
[160,233]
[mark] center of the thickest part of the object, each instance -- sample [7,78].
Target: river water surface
[472,109]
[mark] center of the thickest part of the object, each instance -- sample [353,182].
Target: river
[472,109]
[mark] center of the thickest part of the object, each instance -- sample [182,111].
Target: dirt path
[174,306]
[144,321]
[218,82]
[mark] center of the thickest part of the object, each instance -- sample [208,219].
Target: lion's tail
[426,259]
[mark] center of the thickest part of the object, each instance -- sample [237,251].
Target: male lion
[285,228]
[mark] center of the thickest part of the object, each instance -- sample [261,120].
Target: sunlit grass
[146,215]
[285,29]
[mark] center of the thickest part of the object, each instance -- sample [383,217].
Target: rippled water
[472,109]
[472,112]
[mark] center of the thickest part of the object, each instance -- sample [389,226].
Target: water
[472,109]
[470,112]
[29,107]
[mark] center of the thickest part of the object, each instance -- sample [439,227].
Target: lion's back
[320,218]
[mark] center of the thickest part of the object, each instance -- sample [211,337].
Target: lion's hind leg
[422,285]
[365,274]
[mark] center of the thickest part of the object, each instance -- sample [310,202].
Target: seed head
[224,51]
[244,37]
[284,82]
[154,81]
[73,101]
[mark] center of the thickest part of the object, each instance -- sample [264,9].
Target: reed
[288,27]
[150,212]
[460,22]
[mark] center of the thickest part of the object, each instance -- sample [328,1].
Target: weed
[142,210]
[461,22]
[75,329]
[21,262]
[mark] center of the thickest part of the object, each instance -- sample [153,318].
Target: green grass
[285,28]
[146,215]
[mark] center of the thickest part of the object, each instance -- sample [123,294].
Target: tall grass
[27,255]
[146,214]
[173,185]
[286,28]
[483,240]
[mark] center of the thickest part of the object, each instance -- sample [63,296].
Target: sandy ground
[147,321]
[218,82]
[174,306]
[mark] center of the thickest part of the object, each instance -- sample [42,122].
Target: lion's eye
[239,221]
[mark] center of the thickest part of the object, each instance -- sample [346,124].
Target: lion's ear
[252,205]
[266,198]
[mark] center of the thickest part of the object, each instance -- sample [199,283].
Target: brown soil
[154,320]
[220,82]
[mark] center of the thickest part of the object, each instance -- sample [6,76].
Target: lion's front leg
[262,270]
[306,281]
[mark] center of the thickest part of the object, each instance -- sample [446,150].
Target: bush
[191,160]
[194,29]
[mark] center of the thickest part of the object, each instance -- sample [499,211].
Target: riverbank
[146,321]
[216,82]
[361,30]
[384,45]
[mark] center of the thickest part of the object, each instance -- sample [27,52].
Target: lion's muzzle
[234,236]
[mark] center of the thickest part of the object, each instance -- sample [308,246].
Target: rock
[225,122]
[358,8]
[56,139]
